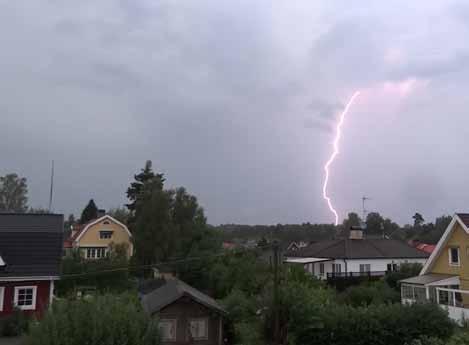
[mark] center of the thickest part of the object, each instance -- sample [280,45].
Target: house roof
[169,291]
[426,279]
[464,217]
[31,244]
[358,249]
[459,218]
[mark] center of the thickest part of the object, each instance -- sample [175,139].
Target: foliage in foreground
[106,275]
[103,320]
[379,325]
[378,292]
[14,324]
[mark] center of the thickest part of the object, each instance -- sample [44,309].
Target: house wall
[459,238]
[42,296]
[186,308]
[91,237]
[376,265]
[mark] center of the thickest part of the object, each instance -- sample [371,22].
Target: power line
[155,265]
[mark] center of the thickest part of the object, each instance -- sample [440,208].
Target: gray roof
[170,291]
[31,244]
[359,249]
[426,279]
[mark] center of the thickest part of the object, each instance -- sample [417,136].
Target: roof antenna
[364,210]
[51,186]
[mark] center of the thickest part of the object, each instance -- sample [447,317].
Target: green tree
[13,193]
[120,213]
[90,212]
[418,219]
[153,231]
[166,223]
[374,223]
[352,220]
[136,189]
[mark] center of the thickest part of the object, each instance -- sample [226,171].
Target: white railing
[452,301]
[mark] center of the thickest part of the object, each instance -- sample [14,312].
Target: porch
[440,289]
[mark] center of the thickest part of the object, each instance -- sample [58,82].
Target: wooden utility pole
[276,286]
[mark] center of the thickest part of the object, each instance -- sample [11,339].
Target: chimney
[101,213]
[356,233]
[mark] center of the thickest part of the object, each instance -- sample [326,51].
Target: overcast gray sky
[236,100]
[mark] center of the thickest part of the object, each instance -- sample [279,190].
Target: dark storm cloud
[218,95]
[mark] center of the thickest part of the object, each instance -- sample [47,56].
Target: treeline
[376,226]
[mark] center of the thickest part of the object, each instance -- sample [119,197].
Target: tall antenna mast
[51,186]
[364,211]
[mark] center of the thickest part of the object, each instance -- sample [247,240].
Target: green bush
[108,274]
[102,320]
[369,293]
[378,325]
[14,324]
[405,271]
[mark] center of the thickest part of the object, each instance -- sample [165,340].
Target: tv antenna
[51,186]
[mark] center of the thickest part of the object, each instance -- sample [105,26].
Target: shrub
[378,325]
[102,320]
[405,271]
[14,324]
[106,274]
[369,293]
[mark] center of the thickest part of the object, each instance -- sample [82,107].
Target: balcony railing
[334,275]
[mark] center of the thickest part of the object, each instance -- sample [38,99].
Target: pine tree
[136,189]
[90,212]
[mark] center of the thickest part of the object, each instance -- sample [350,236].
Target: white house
[355,256]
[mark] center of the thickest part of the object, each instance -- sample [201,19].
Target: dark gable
[31,244]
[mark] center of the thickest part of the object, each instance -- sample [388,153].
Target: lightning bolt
[335,152]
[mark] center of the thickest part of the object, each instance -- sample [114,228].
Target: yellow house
[95,239]
[444,278]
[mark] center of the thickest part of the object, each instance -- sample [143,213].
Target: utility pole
[276,286]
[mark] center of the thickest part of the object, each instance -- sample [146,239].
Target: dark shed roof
[171,290]
[359,249]
[30,244]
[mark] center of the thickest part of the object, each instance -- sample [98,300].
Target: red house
[30,254]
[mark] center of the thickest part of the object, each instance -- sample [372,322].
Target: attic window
[454,256]
[2,263]
[106,222]
[105,234]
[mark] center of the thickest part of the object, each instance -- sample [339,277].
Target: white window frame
[2,297]
[205,320]
[92,252]
[175,322]
[365,268]
[450,257]
[336,268]
[16,295]
[110,232]
[321,269]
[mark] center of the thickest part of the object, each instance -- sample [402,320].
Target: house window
[454,256]
[105,234]
[365,268]
[25,297]
[198,329]
[168,329]
[321,269]
[95,253]
[2,295]
[336,268]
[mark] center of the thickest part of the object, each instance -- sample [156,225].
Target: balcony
[344,275]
